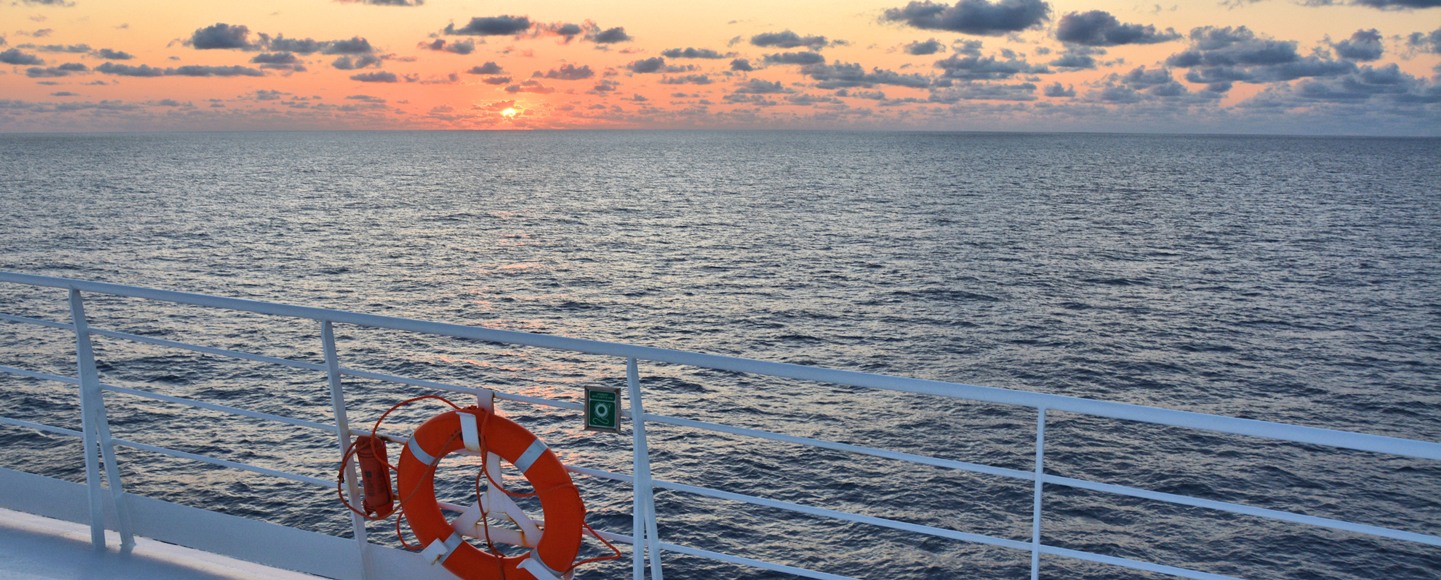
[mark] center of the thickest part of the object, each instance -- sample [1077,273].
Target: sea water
[1276,278]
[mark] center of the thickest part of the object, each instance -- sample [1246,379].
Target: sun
[509,113]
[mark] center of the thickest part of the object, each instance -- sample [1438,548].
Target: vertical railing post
[95,430]
[1036,500]
[342,424]
[643,506]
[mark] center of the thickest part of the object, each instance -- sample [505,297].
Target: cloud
[385,2]
[609,36]
[349,62]
[491,26]
[222,36]
[489,68]
[569,72]
[1055,90]
[761,87]
[931,46]
[691,53]
[214,71]
[984,92]
[1364,45]
[56,71]
[801,58]
[126,70]
[972,67]
[604,87]
[61,3]
[108,54]
[1237,54]
[18,57]
[529,87]
[356,45]
[978,17]
[1382,4]
[278,61]
[379,76]
[1077,57]
[648,65]
[742,65]
[297,45]
[1367,83]
[496,80]
[788,39]
[850,75]
[1099,28]
[1426,42]
[687,80]
[65,48]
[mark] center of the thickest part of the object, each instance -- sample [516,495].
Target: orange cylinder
[374,476]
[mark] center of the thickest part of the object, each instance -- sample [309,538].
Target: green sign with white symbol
[602,408]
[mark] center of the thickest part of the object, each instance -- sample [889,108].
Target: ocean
[1278,278]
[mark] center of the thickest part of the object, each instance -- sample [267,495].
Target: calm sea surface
[1285,279]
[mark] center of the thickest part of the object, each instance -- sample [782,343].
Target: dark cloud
[297,45]
[604,87]
[1055,90]
[214,71]
[349,62]
[741,65]
[609,36]
[62,3]
[108,54]
[2,41]
[379,76]
[18,57]
[1223,55]
[56,71]
[788,39]
[931,46]
[648,65]
[275,58]
[971,67]
[978,17]
[1099,28]
[687,80]
[126,70]
[222,36]
[1426,42]
[569,72]
[529,87]
[1150,85]
[1077,57]
[1364,45]
[64,94]
[385,2]
[569,30]
[356,45]
[984,92]
[496,81]
[761,87]
[65,48]
[492,26]
[691,53]
[801,58]
[1368,83]
[849,75]
[489,68]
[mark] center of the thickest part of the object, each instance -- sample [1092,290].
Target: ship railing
[108,503]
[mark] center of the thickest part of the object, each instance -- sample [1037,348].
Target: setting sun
[509,113]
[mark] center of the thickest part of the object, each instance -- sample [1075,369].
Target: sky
[1333,67]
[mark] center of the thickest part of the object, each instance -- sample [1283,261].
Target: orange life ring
[559,499]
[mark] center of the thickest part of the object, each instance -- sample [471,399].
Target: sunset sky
[1208,66]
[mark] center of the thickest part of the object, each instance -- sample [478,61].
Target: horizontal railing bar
[922,459]
[1132,564]
[210,350]
[40,427]
[37,321]
[224,463]
[1124,411]
[750,562]
[1242,509]
[847,516]
[39,375]
[218,407]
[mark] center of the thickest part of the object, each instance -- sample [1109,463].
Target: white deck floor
[37,547]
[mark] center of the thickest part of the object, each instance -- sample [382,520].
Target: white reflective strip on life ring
[419,453]
[469,432]
[440,550]
[531,454]
[538,568]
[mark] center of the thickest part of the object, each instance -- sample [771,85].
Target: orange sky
[1270,66]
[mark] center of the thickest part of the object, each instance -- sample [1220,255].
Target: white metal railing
[99,444]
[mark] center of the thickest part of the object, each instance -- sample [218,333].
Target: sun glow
[509,113]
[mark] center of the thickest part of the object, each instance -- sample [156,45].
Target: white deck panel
[32,546]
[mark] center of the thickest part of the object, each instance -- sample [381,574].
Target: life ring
[559,499]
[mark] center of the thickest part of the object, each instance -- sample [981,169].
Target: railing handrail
[1109,409]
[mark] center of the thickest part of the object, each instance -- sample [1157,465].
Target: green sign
[602,408]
